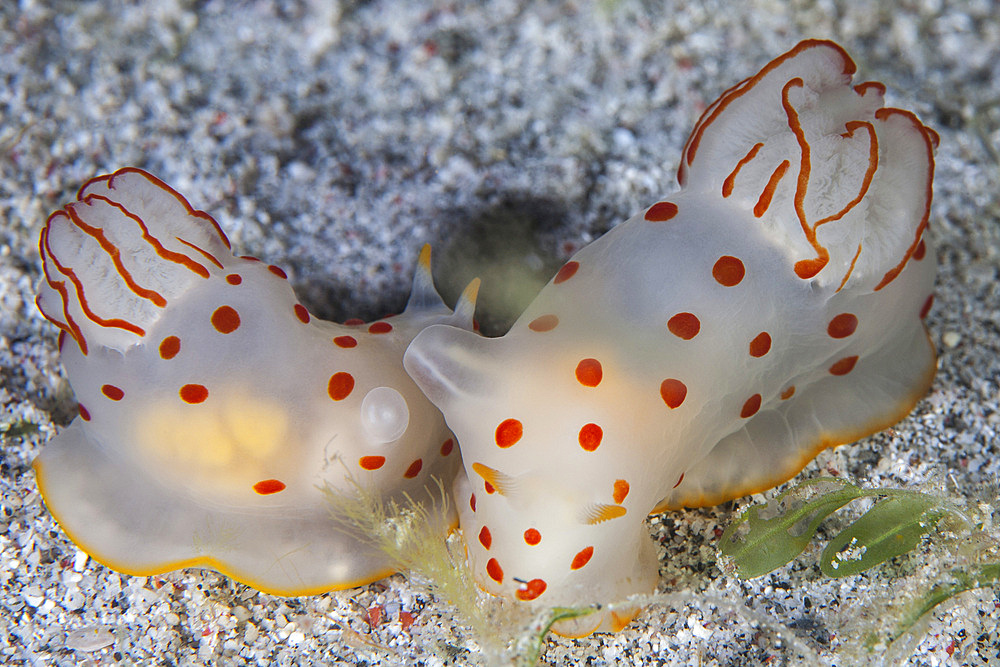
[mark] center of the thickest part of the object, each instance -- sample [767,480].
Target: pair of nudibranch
[703,350]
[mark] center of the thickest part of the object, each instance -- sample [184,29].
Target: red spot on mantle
[266,487]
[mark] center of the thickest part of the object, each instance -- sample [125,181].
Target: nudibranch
[705,349]
[213,407]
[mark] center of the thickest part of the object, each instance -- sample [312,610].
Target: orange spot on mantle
[266,487]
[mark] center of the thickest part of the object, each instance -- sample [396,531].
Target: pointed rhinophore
[423,295]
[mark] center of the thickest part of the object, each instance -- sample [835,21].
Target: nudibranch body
[213,407]
[705,349]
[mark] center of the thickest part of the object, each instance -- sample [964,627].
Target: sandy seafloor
[335,138]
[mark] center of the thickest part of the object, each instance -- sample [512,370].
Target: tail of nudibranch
[841,181]
[100,286]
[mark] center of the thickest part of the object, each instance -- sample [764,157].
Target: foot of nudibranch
[613,618]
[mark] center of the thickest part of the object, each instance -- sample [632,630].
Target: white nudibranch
[214,407]
[705,349]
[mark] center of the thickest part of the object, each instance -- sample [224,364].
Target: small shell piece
[705,349]
[214,407]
